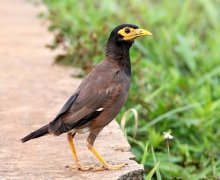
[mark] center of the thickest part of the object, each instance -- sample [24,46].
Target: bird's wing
[86,104]
[67,105]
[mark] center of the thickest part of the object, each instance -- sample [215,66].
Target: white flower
[167,135]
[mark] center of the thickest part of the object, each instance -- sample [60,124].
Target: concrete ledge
[133,175]
[32,92]
[50,158]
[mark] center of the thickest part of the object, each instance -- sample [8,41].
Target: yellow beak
[142,32]
[136,33]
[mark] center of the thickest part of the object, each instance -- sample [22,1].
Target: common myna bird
[99,97]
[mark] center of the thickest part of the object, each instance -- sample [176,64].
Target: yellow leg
[72,148]
[75,157]
[104,162]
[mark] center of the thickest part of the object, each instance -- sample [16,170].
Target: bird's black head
[122,37]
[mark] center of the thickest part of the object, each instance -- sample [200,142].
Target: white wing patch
[99,109]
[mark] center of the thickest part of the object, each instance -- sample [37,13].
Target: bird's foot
[107,167]
[81,167]
[92,167]
[114,167]
[98,168]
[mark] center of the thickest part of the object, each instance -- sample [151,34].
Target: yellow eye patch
[129,33]
[126,31]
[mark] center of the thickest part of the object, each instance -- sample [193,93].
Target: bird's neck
[120,54]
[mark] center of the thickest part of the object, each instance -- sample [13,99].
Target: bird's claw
[81,167]
[114,167]
[99,168]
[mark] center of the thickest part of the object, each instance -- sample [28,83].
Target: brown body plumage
[99,97]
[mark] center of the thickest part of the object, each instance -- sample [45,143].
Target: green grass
[176,75]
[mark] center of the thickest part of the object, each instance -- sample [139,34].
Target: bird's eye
[127,30]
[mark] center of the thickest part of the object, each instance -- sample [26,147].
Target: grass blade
[151,173]
[155,162]
[125,117]
[174,111]
[144,157]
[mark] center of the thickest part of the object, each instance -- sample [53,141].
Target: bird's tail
[36,134]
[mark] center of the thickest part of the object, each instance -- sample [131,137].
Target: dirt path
[31,93]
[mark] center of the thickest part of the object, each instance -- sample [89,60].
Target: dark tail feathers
[36,134]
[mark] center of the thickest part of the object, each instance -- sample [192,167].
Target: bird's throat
[121,56]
